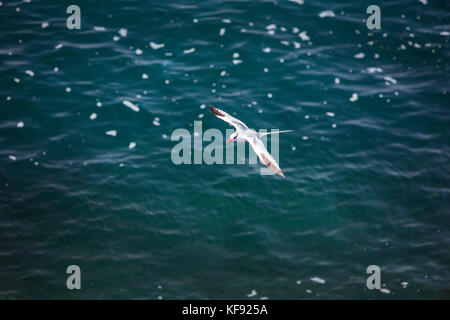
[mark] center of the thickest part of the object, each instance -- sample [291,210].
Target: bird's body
[248,134]
[244,133]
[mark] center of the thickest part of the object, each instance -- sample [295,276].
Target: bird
[244,133]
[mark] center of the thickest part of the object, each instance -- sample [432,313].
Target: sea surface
[88,180]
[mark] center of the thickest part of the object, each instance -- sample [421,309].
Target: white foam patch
[30,73]
[385,290]
[138,52]
[112,133]
[13,158]
[96,28]
[93,116]
[156,46]
[390,79]
[191,50]
[337,80]
[297,1]
[330,114]
[132,145]
[374,69]
[304,36]
[130,105]
[318,280]
[222,31]
[123,32]
[252,294]
[359,55]
[266,50]
[354,97]
[44,25]
[326,14]
[144,76]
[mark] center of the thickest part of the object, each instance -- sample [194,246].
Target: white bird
[243,133]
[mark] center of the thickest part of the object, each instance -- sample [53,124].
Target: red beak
[229,140]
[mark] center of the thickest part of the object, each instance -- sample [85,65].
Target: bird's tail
[262,134]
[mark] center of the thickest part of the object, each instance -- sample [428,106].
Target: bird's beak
[229,140]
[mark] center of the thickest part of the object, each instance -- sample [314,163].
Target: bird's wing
[238,124]
[264,155]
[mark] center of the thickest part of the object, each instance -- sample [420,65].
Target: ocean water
[367,167]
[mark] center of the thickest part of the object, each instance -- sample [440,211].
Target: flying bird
[243,133]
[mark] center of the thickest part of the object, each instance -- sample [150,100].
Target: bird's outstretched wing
[264,155]
[238,124]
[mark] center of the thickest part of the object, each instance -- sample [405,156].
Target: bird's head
[233,136]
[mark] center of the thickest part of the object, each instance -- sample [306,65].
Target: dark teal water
[367,181]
